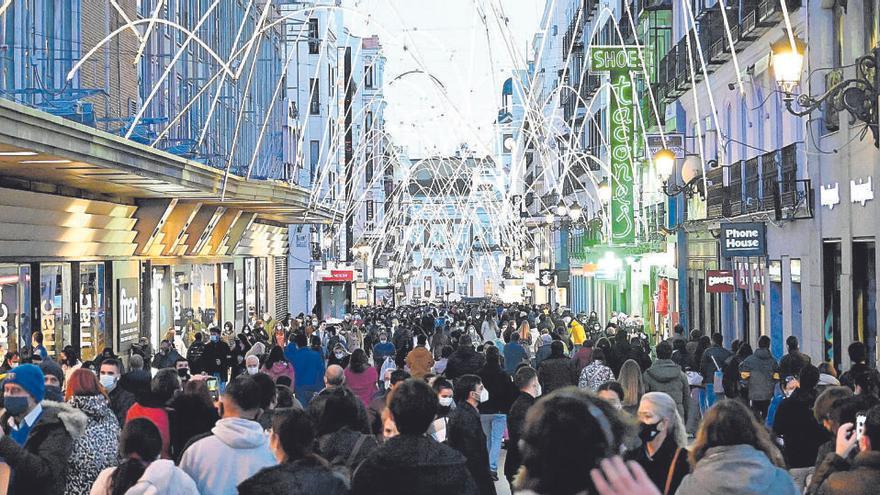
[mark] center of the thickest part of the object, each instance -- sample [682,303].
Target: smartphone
[860,425]
[213,388]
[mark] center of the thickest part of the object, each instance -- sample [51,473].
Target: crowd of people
[425,399]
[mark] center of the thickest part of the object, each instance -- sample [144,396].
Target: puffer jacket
[97,448]
[666,376]
[41,464]
[736,470]
[303,477]
[556,372]
[759,370]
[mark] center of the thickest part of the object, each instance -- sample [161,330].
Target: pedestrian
[166,357]
[795,423]
[583,356]
[339,357]
[440,364]
[379,402]
[823,409]
[712,360]
[37,438]
[493,412]
[545,348]
[308,367]
[300,471]
[150,400]
[465,432]
[237,448]
[838,475]
[760,372]
[38,347]
[382,350]
[734,386]
[443,388]
[343,435]
[141,471]
[514,354]
[96,449]
[216,357]
[663,452]
[420,361]
[596,373]
[557,371]
[361,378]
[194,353]
[10,360]
[665,376]
[526,382]
[633,386]
[54,380]
[791,364]
[858,356]
[190,414]
[464,360]
[612,393]
[412,463]
[733,453]
[277,365]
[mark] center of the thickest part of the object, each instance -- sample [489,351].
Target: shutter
[282,306]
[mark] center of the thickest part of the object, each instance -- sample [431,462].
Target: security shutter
[282,305]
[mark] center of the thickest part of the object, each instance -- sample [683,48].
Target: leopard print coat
[96,449]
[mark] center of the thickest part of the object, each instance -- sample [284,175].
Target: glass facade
[15,300]
[93,328]
[55,306]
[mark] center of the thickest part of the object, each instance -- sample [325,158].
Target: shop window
[250,289]
[204,297]
[55,306]
[15,298]
[865,297]
[831,267]
[92,310]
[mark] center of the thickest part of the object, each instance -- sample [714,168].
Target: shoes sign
[719,281]
[743,239]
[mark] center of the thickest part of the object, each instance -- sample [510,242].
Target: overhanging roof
[74,155]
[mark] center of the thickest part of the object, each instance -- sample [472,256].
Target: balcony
[713,36]
[666,75]
[589,8]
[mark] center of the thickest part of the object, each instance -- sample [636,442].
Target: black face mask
[183,372]
[53,393]
[648,432]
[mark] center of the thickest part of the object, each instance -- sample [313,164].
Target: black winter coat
[40,466]
[189,417]
[465,434]
[502,392]
[803,436]
[303,477]
[464,361]
[837,476]
[338,447]
[121,401]
[556,372]
[414,465]
[216,359]
[516,419]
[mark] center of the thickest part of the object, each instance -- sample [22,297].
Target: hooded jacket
[464,361]
[304,477]
[666,376]
[161,477]
[236,450]
[41,464]
[758,370]
[735,470]
[414,465]
[97,448]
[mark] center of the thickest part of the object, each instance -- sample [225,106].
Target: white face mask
[538,390]
[387,384]
[253,370]
[445,401]
[484,395]
[339,355]
[108,382]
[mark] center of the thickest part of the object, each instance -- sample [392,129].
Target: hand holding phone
[860,425]
[213,388]
[846,440]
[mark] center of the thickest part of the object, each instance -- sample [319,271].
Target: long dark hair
[729,422]
[358,362]
[140,444]
[276,355]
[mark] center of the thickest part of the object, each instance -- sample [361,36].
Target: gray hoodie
[666,376]
[736,470]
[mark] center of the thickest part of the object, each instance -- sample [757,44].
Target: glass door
[55,306]
[92,308]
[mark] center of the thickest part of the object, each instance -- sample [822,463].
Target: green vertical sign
[618,62]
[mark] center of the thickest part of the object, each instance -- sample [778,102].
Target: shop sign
[618,62]
[127,312]
[547,277]
[339,276]
[672,142]
[4,319]
[861,192]
[743,239]
[742,276]
[719,281]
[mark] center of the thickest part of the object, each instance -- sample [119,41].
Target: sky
[450,40]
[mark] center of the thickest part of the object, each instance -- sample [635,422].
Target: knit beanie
[30,378]
[51,367]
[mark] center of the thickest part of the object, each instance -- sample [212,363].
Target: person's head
[359,361]
[52,373]
[37,338]
[557,349]
[468,388]
[730,422]
[827,368]
[11,359]
[678,345]
[718,339]
[301,340]
[526,380]
[165,384]
[744,351]
[514,338]
[334,376]
[83,383]
[182,367]
[791,343]
[598,354]
[283,396]
[165,345]
[630,378]
[663,350]
[335,409]
[763,342]
[276,355]
[267,390]
[412,406]
[493,356]
[823,405]
[465,342]
[611,392]
[252,364]
[871,436]
[866,384]
[858,352]
[421,340]
[109,373]
[215,334]
[198,388]
[565,435]
[136,362]
[808,377]
[678,329]
[23,389]
[241,399]
[293,435]
[139,444]
[659,419]
[443,388]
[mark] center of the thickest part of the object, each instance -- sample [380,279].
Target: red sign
[719,281]
[339,276]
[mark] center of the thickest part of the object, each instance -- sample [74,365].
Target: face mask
[15,405]
[538,390]
[108,382]
[14,364]
[648,432]
[253,370]
[215,338]
[383,341]
[484,395]
[183,372]
[387,384]
[53,393]
[339,355]
[445,401]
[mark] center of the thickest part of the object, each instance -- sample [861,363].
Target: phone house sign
[743,239]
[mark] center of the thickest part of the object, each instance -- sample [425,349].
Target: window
[370,210]
[314,41]
[837,36]
[872,24]
[368,122]
[368,169]
[315,97]
[368,77]
[314,158]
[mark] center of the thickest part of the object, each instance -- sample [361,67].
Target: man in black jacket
[858,355]
[216,357]
[465,433]
[465,360]
[526,380]
[413,463]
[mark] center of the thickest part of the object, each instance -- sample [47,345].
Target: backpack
[343,467]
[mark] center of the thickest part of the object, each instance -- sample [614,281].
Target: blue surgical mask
[215,338]
[15,406]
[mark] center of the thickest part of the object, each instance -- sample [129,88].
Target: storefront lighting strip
[17,153]
[44,161]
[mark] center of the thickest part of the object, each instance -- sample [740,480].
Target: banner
[128,312]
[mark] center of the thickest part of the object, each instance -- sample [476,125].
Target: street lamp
[561,209]
[857,95]
[664,161]
[575,212]
[604,191]
[691,173]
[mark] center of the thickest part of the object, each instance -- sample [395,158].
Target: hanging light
[604,191]
[664,162]
[575,211]
[549,218]
[787,60]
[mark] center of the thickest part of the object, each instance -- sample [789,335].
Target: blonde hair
[630,379]
[666,408]
[524,330]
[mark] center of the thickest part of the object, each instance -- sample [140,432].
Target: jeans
[493,426]
[708,397]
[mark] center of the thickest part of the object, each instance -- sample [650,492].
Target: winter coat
[736,470]
[657,466]
[837,476]
[556,372]
[189,416]
[593,375]
[309,369]
[311,475]
[414,465]
[514,354]
[543,353]
[666,376]
[279,369]
[760,372]
[338,447]
[41,464]
[161,477]
[578,335]
[194,356]
[159,417]
[420,361]
[707,365]
[500,387]
[121,401]
[97,448]
[464,361]
[734,386]
[362,384]
[166,360]
[216,358]
[848,379]
[516,419]
[795,423]
[236,450]
[582,358]
[792,363]
[465,434]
